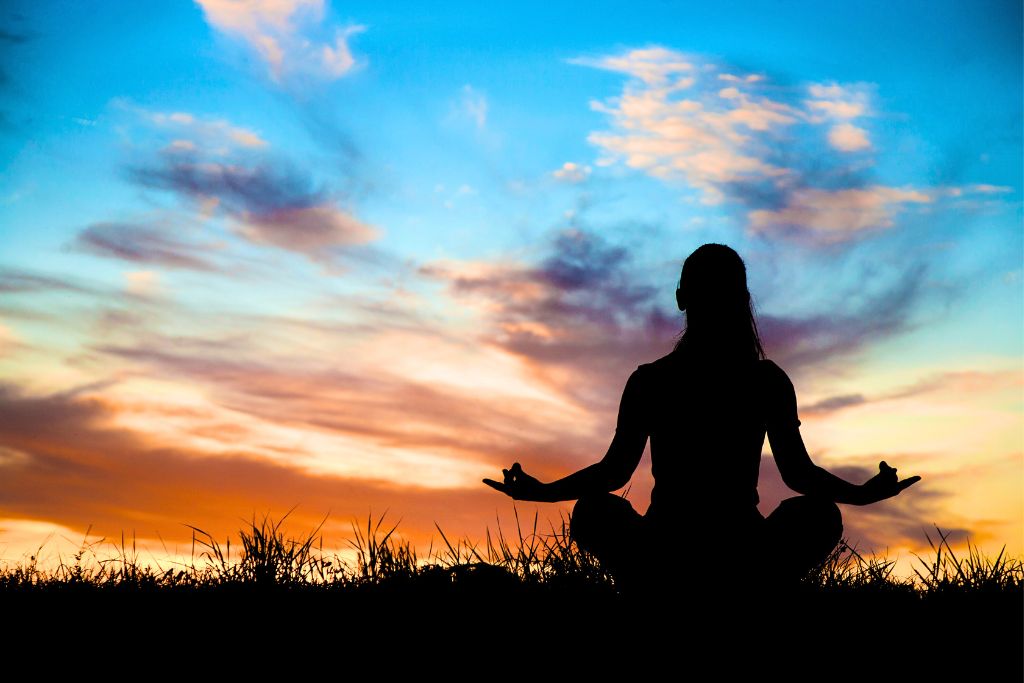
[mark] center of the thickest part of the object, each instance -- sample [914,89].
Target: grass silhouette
[275,592]
[267,558]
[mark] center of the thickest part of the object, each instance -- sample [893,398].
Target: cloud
[800,343]
[142,282]
[16,281]
[282,34]
[401,424]
[835,101]
[268,204]
[144,244]
[224,170]
[790,157]
[654,66]
[836,215]
[983,188]
[10,341]
[338,60]
[311,230]
[581,316]
[473,105]
[847,137]
[209,132]
[671,123]
[834,403]
[572,173]
[92,473]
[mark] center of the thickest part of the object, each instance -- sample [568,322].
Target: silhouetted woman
[706,407]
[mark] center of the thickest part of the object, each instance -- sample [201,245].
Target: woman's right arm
[608,474]
[799,472]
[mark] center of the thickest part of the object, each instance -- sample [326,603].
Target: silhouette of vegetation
[379,598]
[267,558]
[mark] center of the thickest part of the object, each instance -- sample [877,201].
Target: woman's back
[707,420]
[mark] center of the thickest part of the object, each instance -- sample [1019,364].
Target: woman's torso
[707,424]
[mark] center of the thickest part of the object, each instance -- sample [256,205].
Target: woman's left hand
[885,484]
[518,484]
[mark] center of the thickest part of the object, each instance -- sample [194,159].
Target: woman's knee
[586,514]
[595,514]
[819,516]
[829,519]
[801,533]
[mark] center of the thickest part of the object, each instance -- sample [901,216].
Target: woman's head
[719,313]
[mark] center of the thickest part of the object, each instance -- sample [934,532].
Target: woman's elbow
[617,482]
[615,477]
[800,481]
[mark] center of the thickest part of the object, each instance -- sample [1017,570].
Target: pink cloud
[837,215]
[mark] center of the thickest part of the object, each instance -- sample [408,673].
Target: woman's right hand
[884,485]
[518,484]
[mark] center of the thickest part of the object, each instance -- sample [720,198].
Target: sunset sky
[356,257]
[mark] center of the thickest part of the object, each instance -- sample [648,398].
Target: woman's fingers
[908,482]
[513,473]
[883,468]
[515,480]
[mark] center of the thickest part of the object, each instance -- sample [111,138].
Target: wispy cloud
[579,315]
[840,102]
[271,204]
[208,132]
[654,66]
[220,169]
[572,173]
[834,403]
[473,105]
[584,315]
[144,244]
[799,343]
[289,35]
[18,281]
[92,472]
[836,215]
[795,158]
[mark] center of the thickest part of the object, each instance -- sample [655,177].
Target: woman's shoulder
[772,373]
[659,366]
[764,368]
[769,367]
[647,376]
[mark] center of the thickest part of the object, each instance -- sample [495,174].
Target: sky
[346,260]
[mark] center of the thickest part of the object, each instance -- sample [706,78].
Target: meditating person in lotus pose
[706,408]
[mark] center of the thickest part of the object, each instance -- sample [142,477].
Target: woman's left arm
[608,474]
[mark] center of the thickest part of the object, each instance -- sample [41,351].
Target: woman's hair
[719,313]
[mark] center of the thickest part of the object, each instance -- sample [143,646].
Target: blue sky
[310,185]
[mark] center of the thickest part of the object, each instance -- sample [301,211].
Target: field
[535,593]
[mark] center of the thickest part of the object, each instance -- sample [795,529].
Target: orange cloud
[87,473]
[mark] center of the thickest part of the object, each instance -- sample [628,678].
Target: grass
[288,592]
[266,558]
